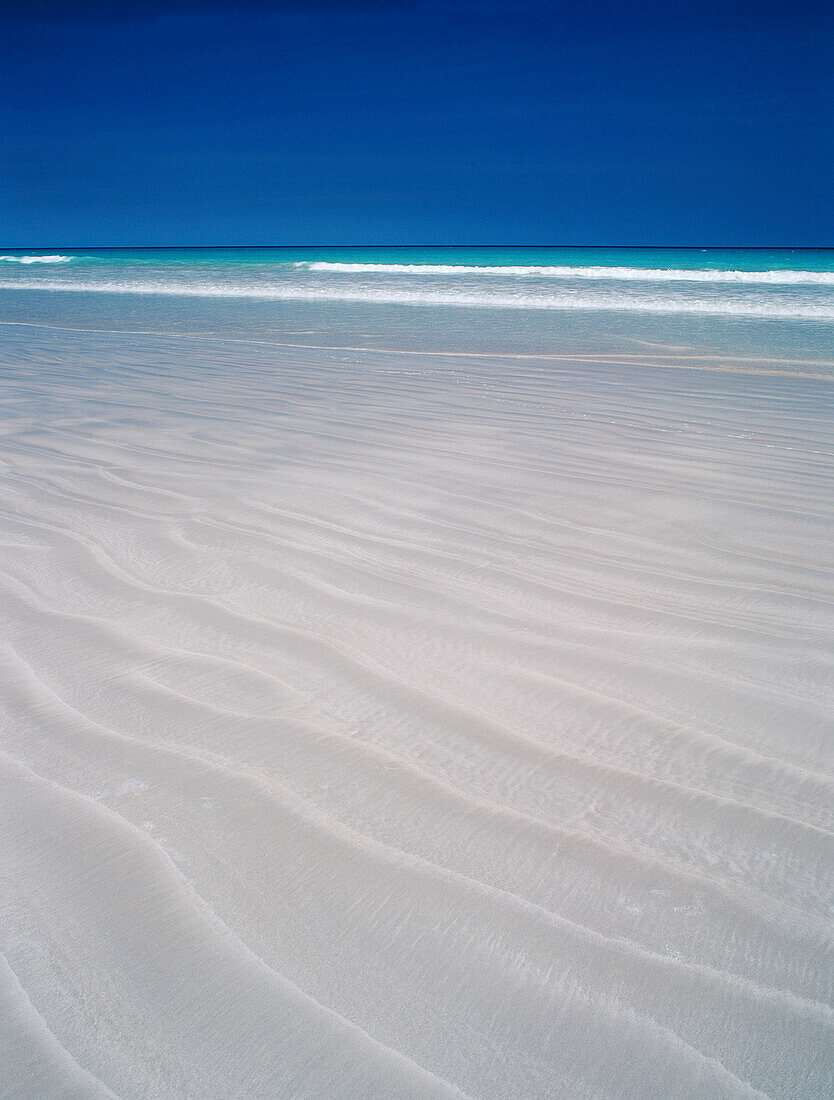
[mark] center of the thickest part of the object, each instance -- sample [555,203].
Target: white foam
[36,259]
[763,305]
[683,275]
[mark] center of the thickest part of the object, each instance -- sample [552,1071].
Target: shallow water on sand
[386,725]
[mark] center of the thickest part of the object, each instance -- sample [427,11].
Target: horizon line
[654,247]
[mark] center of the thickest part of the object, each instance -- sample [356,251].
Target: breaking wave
[764,305]
[683,275]
[36,259]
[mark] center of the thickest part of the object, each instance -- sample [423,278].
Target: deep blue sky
[416,122]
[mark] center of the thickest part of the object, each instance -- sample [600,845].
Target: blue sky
[416,122]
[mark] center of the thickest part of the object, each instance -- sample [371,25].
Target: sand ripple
[389,726]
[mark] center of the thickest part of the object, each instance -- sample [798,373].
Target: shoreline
[694,361]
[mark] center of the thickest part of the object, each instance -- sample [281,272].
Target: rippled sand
[412,726]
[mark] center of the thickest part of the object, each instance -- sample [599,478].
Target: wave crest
[683,275]
[36,259]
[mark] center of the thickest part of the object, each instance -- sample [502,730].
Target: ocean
[762,303]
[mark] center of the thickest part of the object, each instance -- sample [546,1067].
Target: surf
[702,275]
[36,259]
[450,296]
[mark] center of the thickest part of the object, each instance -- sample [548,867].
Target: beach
[388,720]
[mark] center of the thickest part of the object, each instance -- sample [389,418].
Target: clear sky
[416,121]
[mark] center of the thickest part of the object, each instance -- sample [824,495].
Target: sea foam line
[617,302]
[701,275]
[37,259]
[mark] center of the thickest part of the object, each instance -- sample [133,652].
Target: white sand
[385,725]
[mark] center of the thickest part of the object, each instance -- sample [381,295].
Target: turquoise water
[688,259]
[772,303]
